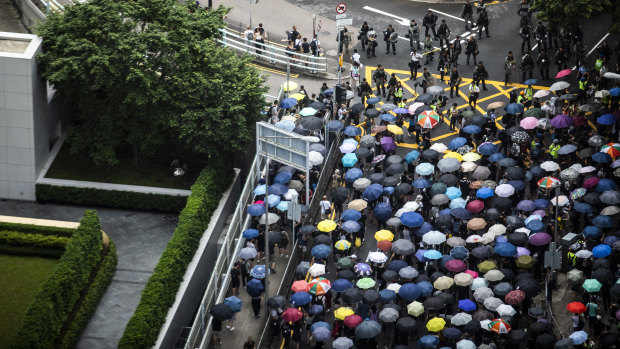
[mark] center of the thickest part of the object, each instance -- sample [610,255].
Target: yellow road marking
[272,70]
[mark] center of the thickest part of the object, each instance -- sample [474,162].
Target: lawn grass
[22,278]
[146,172]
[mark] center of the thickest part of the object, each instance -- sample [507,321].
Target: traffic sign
[344,15]
[341,8]
[318,26]
[344,21]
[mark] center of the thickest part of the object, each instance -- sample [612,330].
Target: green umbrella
[592,285]
[438,188]
[525,262]
[486,266]
[468,113]
[365,283]
[535,112]
[345,263]
[308,111]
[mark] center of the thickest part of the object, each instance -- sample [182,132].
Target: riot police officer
[525,32]
[444,33]
[361,37]
[543,62]
[371,35]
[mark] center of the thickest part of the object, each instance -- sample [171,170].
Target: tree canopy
[568,12]
[147,76]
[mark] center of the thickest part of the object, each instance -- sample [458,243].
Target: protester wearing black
[429,21]
[483,22]
[543,62]
[480,75]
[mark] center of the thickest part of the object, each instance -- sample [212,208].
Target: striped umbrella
[499,326]
[319,286]
[613,149]
[548,182]
[428,119]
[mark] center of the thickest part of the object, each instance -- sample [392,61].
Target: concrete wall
[27,123]
[30,12]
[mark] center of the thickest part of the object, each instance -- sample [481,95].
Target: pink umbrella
[540,239]
[529,123]
[473,274]
[522,251]
[455,265]
[590,182]
[563,73]
[541,213]
[475,206]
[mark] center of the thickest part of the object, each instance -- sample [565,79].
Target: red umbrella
[576,307]
[475,206]
[514,297]
[590,182]
[352,321]
[563,73]
[455,265]
[292,315]
[580,120]
[384,245]
[300,286]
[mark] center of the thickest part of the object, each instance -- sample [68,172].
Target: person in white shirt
[355,76]
[342,112]
[325,207]
[415,63]
[355,58]
[248,34]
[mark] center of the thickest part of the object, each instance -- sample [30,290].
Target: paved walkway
[9,18]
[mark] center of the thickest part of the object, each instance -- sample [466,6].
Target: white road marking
[594,47]
[445,14]
[399,19]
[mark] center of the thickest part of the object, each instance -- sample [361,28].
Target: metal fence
[201,330]
[273,54]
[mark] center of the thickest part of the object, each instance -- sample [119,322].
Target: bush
[36,229]
[23,244]
[161,289]
[54,304]
[110,198]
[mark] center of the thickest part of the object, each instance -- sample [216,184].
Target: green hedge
[52,307]
[37,229]
[110,198]
[160,291]
[90,301]
[22,244]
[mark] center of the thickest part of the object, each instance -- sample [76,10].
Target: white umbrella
[439,147]
[291,194]
[561,200]
[455,241]
[601,94]
[550,166]
[342,343]
[488,238]
[393,287]
[411,205]
[483,293]
[541,93]
[434,237]
[448,164]
[361,183]
[494,275]
[468,166]
[317,269]
[316,158]
[492,303]
[288,117]
[504,190]
[473,239]
[463,279]
[587,169]
[347,147]
[544,123]
[610,210]
[497,229]
[460,319]
[247,253]
[402,210]
[505,310]
[610,75]
[273,218]
[479,283]
[377,257]
[523,230]
[583,254]
[574,275]
[465,344]
[560,85]
[485,324]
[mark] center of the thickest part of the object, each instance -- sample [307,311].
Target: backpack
[249,36]
[313,45]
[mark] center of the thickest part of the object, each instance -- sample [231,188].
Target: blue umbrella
[535,225]
[352,174]
[583,207]
[288,103]
[615,92]
[320,324]
[421,183]
[350,140]
[497,157]
[603,221]
[409,292]
[467,305]
[601,158]
[351,226]
[388,117]
[530,82]
[432,254]
[526,205]
[542,203]
[445,258]
[322,334]
[349,160]
[607,119]
[518,185]
[388,190]
[411,219]
[397,265]
[341,285]
[605,184]
[260,189]
[278,189]
[335,125]
[537,171]
[283,205]
[329,92]
[387,295]
[505,249]
[372,192]
[578,337]
[373,100]
[457,203]
[461,213]
[514,108]
[256,210]
[273,200]
[487,149]
[446,211]
[321,251]
[452,333]
[453,192]
[286,125]
[610,240]
[424,169]
[352,131]
[472,129]
[419,254]
[484,192]
[250,233]
[382,212]
[412,156]
[428,341]
[234,303]
[258,271]
[591,232]
[351,215]
[601,251]
[457,142]
[300,298]
[255,287]
[425,228]
[459,252]
[426,288]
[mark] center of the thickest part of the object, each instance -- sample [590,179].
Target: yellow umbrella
[327,225]
[453,154]
[476,223]
[291,86]
[297,96]
[358,204]
[342,245]
[471,156]
[395,129]
[436,324]
[415,308]
[443,283]
[384,235]
[343,312]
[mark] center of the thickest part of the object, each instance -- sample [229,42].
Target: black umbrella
[389,275]
[422,277]
[604,276]
[322,239]
[607,340]
[357,108]
[430,154]
[507,162]
[447,297]
[517,336]
[480,315]
[502,204]
[340,195]
[406,324]
[449,179]
[600,263]
[563,343]
[517,238]
[372,113]
[536,312]
[301,130]
[586,152]
[515,173]
[312,123]
[436,275]
[513,129]
[477,120]
[276,301]
[221,312]
[443,221]
[371,297]
[391,181]
[452,333]
[508,274]
[472,327]
[434,303]
[524,276]
[351,295]
[545,340]
[615,290]
[318,106]
[392,306]
[394,159]
[287,169]
[377,178]
[491,214]
[482,252]
[362,152]
[592,198]
[308,229]
[302,269]
[403,188]
[529,286]
[424,98]
[274,238]
[395,169]
[538,327]
[515,222]
[537,171]
[422,108]
[347,274]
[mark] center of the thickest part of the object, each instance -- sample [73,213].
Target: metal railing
[201,330]
[274,54]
